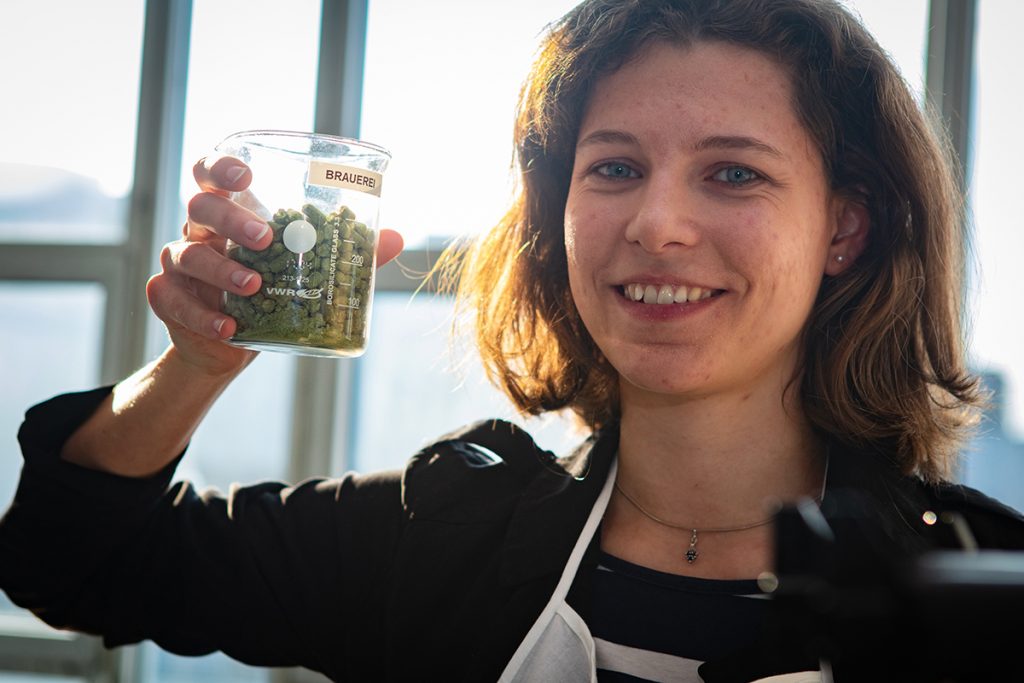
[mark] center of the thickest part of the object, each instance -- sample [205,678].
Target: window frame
[121,269]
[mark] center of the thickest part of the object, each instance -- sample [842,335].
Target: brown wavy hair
[883,363]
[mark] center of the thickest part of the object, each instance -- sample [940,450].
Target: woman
[735,255]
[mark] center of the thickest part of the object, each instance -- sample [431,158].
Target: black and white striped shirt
[653,626]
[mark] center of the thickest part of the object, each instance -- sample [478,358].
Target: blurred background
[108,105]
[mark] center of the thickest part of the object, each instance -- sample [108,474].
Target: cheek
[583,252]
[785,240]
[779,256]
[745,240]
[571,241]
[578,243]
[579,270]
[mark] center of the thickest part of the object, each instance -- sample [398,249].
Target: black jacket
[433,573]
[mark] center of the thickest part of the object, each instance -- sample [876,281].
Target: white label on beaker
[346,177]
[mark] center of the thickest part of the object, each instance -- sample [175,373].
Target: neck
[716,461]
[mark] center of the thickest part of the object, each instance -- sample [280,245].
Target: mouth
[662,295]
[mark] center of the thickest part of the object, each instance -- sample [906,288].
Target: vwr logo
[287,291]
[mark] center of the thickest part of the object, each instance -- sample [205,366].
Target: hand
[186,295]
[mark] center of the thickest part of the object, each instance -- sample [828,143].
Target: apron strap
[535,633]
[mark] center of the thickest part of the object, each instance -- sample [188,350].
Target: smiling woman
[710,203]
[734,254]
[837,140]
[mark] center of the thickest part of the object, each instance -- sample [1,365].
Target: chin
[676,375]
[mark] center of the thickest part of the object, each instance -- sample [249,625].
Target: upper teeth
[666,294]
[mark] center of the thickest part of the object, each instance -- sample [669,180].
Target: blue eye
[736,175]
[616,170]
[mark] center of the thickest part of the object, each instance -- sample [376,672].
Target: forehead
[704,89]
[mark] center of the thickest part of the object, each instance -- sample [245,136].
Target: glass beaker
[320,196]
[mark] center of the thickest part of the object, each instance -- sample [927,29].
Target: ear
[850,234]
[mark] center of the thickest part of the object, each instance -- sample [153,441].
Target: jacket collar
[888,506]
[553,509]
[555,505]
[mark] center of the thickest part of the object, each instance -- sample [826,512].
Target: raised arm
[98,540]
[147,420]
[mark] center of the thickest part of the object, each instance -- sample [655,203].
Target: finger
[221,174]
[177,307]
[389,245]
[209,212]
[200,262]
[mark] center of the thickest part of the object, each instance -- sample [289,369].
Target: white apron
[559,646]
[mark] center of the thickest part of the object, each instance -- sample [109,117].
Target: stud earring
[840,258]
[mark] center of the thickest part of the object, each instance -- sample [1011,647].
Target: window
[59,328]
[251,65]
[901,28]
[995,463]
[441,84]
[59,325]
[415,384]
[68,134]
[275,89]
[67,164]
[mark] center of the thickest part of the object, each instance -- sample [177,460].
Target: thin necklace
[691,552]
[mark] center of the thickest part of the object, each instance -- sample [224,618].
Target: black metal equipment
[942,617]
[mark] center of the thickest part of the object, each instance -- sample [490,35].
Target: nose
[666,217]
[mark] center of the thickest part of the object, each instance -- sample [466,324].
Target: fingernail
[234,173]
[218,324]
[254,230]
[241,278]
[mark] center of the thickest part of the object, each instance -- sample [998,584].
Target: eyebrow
[737,142]
[608,136]
[713,142]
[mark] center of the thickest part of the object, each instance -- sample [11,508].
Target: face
[698,222]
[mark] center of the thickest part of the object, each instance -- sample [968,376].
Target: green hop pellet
[316,298]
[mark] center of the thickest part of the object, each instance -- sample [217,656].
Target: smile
[667,294]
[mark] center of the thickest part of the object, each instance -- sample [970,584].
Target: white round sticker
[299,237]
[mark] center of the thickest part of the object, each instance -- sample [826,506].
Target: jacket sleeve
[272,575]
